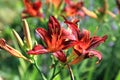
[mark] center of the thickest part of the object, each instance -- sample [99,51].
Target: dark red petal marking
[53,26]
[96,41]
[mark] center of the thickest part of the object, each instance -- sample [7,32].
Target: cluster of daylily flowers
[56,38]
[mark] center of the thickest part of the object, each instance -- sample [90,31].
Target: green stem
[54,69]
[55,74]
[91,70]
[37,67]
[70,72]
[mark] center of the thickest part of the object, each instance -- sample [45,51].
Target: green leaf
[118,76]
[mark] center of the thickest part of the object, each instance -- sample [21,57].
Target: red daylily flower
[56,3]
[31,9]
[86,44]
[56,40]
[73,9]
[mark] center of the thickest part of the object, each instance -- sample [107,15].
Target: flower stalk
[55,74]
[70,72]
[38,69]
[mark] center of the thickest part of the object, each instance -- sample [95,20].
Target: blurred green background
[12,68]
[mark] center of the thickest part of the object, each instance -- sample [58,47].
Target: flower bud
[19,40]
[27,34]
[11,50]
[89,13]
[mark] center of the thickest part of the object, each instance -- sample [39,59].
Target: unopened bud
[27,34]
[89,13]
[11,50]
[19,40]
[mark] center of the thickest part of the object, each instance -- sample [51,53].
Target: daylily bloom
[56,3]
[86,44]
[32,9]
[55,38]
[73,9]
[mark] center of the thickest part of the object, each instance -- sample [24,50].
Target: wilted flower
[55,38]
[86,44]
[32,9]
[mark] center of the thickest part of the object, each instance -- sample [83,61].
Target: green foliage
[12,68]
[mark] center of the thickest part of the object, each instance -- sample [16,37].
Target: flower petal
[86,37]
[44,35]
[72,8]
[31,9]
[96,54]
[37,5]
[74,28]
[65,34]
[27,4]
[38,49]
[68,2]
[81,14]
[69,43]
[53,26]
[60,56]
[96,40]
